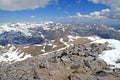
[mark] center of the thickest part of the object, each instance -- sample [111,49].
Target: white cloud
[94,17]
[13,5]
[32,16]
[102,14]
[114,6]
[97,14]
[107,2]
[79,15]
[105,12]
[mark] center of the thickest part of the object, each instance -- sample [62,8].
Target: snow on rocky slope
[111,57]
[12,54]
[20,33]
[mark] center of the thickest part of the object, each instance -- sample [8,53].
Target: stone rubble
[75,63]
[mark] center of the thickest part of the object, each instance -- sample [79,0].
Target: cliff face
[74,63]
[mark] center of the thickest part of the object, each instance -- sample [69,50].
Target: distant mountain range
[38,33]
[52,51]
[25,40]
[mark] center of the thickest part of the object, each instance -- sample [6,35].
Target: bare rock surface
[75,63]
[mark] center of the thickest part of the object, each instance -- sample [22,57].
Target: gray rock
[75,63]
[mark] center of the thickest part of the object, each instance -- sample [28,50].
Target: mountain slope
[46,37]
[59,51]
[80,62]
[23,52]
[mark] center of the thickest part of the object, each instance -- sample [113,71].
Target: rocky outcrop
[75,63]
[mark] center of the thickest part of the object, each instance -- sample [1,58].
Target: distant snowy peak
[27,28]
[30,33]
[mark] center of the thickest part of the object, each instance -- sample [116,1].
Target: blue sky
[93,11]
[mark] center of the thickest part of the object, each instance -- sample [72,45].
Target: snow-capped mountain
[38,33]
[28,33]
[22,40]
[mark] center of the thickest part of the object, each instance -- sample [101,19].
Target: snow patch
[93,38]
[42,36]
[38,45]
[12,55]
[65,43]
[71,38]
[43,49]
[50,44]
[110,56]
[54,46]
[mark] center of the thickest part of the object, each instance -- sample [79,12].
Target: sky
[88,11]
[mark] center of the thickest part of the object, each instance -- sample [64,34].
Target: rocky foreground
[75,63]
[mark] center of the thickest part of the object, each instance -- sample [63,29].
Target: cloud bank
[113,4]
[13,5]
[105,16]
[96,14]
[101,17]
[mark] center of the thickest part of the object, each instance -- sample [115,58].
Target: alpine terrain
[59,51]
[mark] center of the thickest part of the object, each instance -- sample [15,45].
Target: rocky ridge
[80,62]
